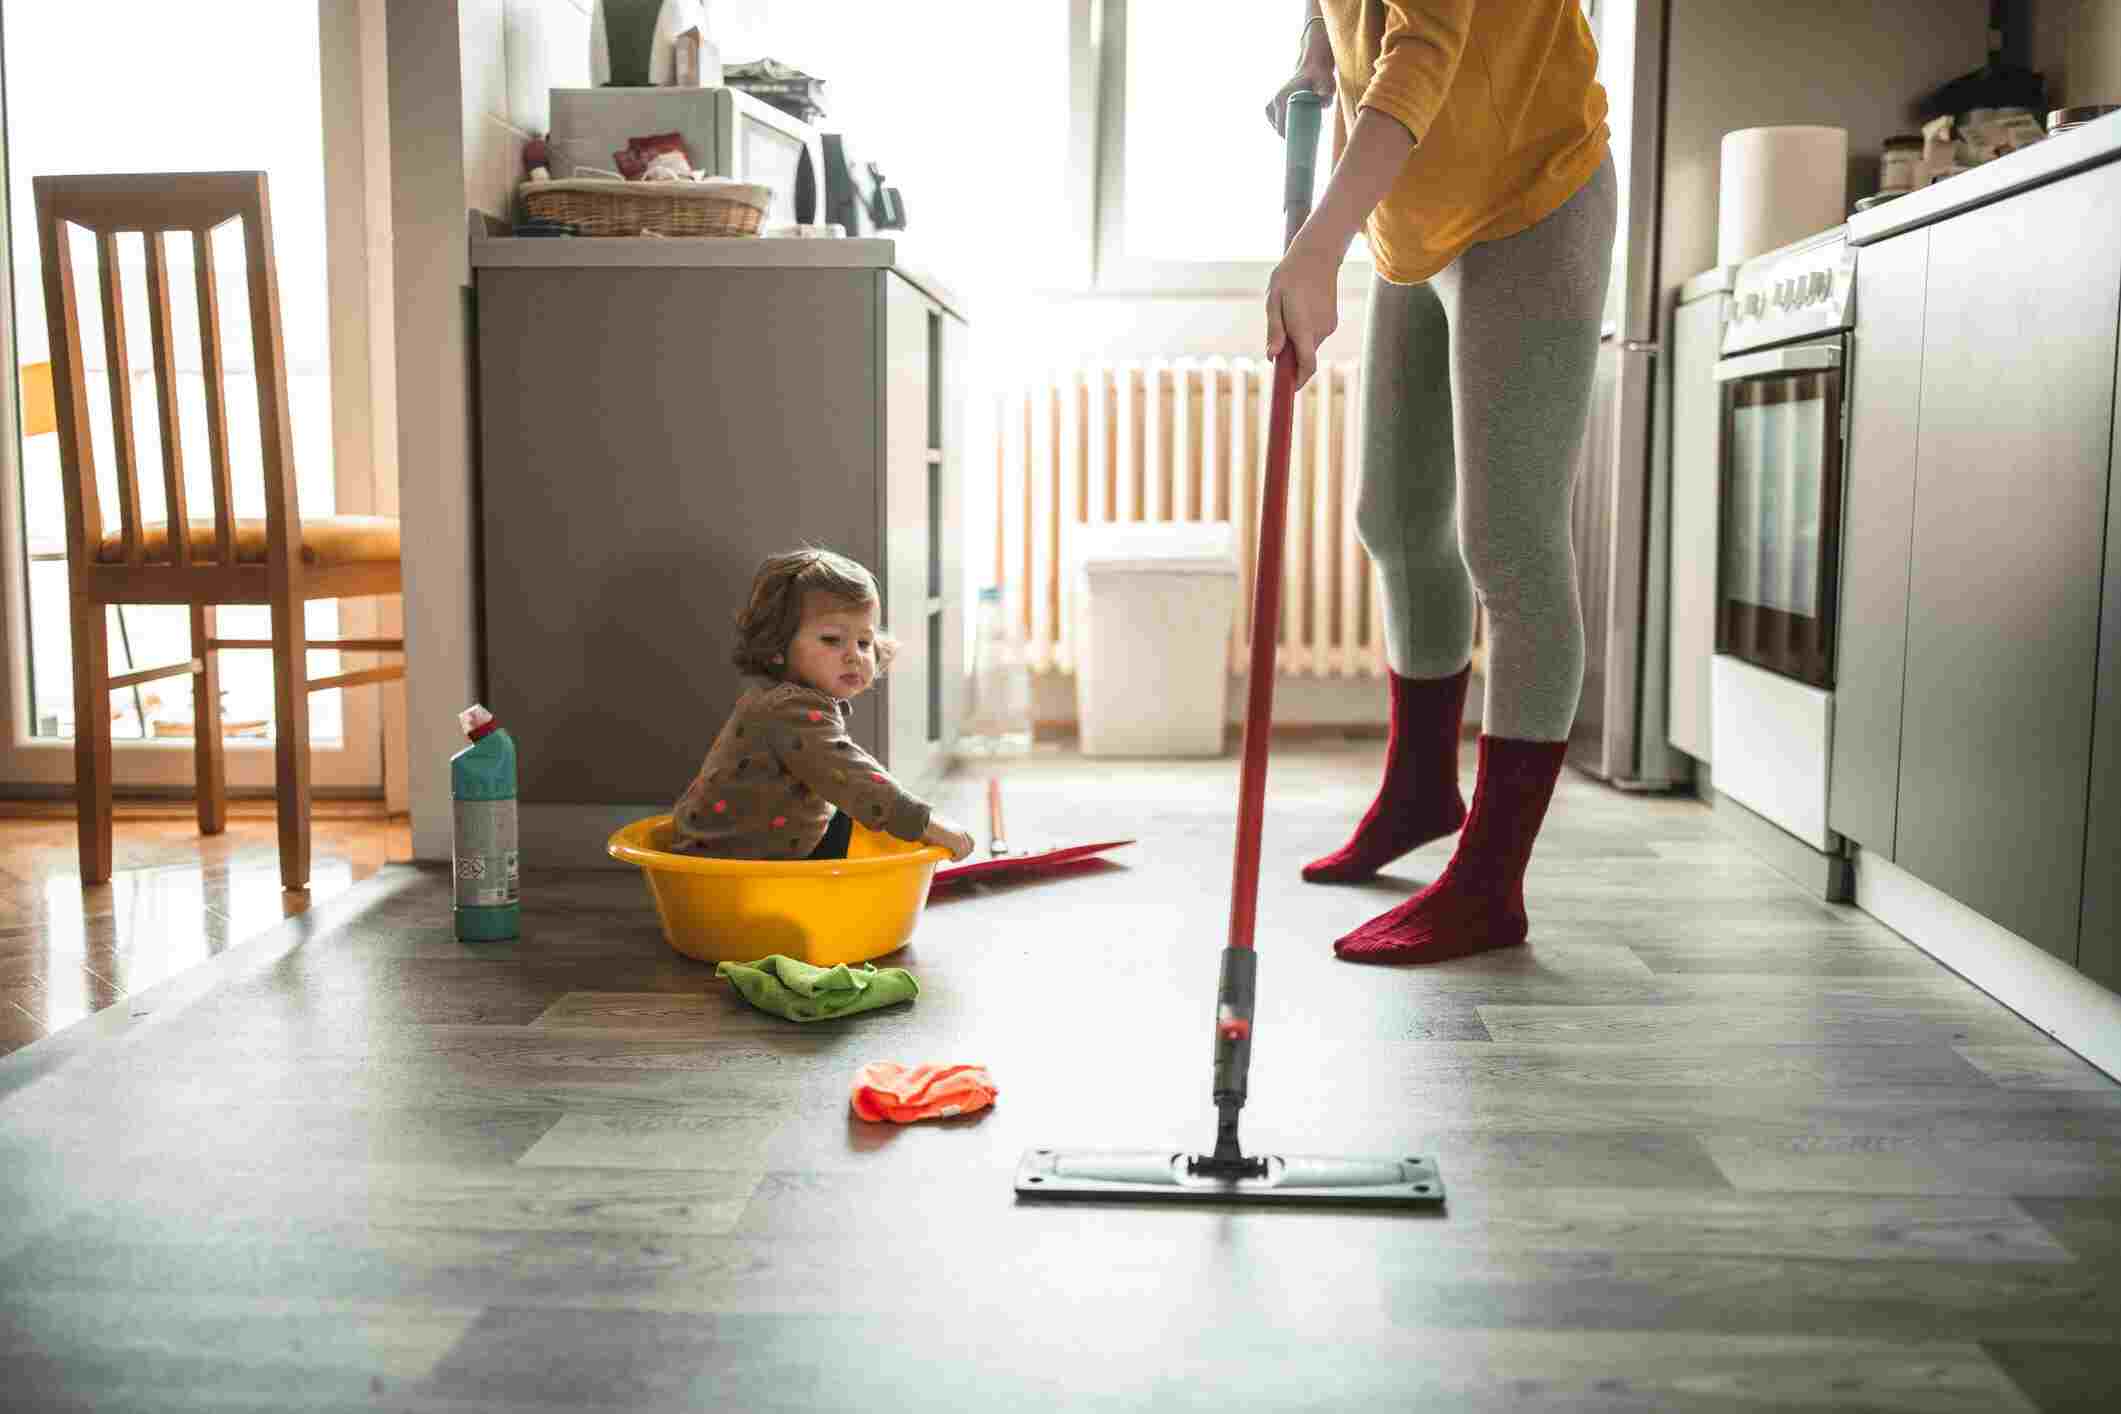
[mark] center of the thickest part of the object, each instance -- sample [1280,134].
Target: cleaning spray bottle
[482,783]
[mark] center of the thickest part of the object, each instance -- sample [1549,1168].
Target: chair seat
[326,541]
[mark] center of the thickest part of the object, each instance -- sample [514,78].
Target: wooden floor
[175,898]
[1710,1145]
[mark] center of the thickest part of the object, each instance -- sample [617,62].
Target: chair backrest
[156,205]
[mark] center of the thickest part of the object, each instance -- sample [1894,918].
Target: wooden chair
[283,563]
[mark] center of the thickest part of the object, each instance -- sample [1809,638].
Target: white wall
[364,411]
[515,52]
[468,83]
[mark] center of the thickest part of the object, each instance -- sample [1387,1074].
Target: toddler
[783,779]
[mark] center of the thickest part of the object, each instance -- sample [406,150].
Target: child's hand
[948,836]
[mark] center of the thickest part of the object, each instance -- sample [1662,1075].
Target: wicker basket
[597,206]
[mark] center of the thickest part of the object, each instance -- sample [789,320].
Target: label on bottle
[486,853]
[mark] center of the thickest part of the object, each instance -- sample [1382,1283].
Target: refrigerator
[1678,74]
[1619,515]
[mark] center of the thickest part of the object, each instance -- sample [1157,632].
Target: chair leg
[92,757]
[209,754]
[290,675]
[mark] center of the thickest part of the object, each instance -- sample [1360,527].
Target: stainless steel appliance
[1784,419]
[1696,469]
[1677,78]
[1784,423]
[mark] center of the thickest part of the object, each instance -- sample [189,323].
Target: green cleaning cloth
[801,992]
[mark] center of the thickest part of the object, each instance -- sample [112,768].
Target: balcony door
[205,86]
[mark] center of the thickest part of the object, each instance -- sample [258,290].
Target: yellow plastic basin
[823,911]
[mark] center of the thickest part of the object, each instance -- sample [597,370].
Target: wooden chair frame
[201,576]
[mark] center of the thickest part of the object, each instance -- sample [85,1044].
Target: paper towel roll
[1779,185]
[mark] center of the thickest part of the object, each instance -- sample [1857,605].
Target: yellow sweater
[1503,101]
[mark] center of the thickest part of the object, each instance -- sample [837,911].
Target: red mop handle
[1300,127]
[1266,634]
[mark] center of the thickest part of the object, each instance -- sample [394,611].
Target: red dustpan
[1004,862]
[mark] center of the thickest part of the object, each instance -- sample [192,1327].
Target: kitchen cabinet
[1877,507]
[2099,935]
[653,423]
[2007,539]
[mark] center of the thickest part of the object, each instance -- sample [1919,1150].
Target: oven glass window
[1778,441]
[1782,464]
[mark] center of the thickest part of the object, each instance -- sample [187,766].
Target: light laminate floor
[175,898]
[1710,1145]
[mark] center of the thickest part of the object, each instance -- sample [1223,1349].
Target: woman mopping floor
[1477,157]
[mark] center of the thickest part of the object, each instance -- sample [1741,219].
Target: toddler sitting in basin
[783,779]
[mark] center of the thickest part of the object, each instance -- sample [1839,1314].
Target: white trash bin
[1153,606]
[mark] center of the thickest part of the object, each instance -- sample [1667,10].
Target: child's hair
[769,622]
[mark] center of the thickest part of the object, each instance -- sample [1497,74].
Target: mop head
[1169,1174]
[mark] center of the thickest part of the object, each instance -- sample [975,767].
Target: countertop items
[2093,143]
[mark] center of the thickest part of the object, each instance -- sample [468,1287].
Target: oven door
[1778,544]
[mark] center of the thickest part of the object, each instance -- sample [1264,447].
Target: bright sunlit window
[210,85]
[1203,169]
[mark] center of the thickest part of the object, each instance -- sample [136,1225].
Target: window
[233,84]
[1190,176]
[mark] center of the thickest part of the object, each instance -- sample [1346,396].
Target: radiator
[1185,440]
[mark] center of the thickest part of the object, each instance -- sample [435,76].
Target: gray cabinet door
[2099,940]
[1877,506]
[2009,519]
[646,438]
[911,392]
[1697,468]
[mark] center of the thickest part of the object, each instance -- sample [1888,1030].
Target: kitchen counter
[2045,161]
[697,253]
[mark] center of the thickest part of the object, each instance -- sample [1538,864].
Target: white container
[1153,607]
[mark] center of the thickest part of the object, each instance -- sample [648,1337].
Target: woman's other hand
[948,836]
[1303,304]
[1314,71]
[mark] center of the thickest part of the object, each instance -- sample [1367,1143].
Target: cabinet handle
[1806,359]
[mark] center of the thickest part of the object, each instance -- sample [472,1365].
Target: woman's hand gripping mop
[1227,1173]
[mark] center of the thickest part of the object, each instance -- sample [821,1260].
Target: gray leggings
[1475,391]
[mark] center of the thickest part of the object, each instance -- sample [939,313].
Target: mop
[1227,1173]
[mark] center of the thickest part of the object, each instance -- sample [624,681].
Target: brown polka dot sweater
[781,764]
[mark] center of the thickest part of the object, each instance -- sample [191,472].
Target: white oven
[1783,429]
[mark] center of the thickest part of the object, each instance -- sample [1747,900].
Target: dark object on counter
[858,198]
[782,85]
[2063,119]
[2002,82]
[535,227]
[629,40]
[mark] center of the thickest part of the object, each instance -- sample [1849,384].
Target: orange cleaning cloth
[887,1090]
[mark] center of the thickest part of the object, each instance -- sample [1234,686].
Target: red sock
[1477,903]
[1419,799]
